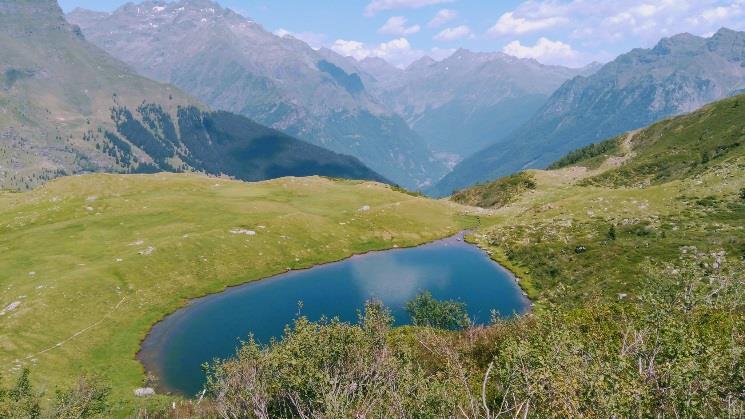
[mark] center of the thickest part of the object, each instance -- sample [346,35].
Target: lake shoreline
[151,351]
[189,301]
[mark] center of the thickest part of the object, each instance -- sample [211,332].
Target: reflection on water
[212,327]
[395,280]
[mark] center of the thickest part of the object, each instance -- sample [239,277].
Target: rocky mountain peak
[26,17]
[423,62]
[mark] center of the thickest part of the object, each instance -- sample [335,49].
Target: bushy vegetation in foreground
[88,399]
[677,351]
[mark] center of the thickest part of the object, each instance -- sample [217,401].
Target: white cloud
[442,17]
[376,6]
[545,51]
[315,40]
[508,24]
[396,25]
[632,22]
[452,34]
[398,52]
[354,49]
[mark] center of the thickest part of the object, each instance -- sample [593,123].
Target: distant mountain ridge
[678,75]
[469,100]
[233,64]
[412,125]
[68,107]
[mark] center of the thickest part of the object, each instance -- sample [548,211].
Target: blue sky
[566,32]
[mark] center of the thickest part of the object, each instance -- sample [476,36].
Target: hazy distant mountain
[232,63]
[678,75]
[469,100]
[68,107]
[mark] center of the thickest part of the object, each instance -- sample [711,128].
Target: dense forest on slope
[220,143]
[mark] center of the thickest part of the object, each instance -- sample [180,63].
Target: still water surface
[212,327]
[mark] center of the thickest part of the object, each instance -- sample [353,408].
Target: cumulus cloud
[509,24]
[396,25]
[398,52]
[442,17]
[376,6]
[354,49]
[642,22]
[455,33]
[545,51]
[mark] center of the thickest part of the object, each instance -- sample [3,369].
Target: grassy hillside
[89,263]
[597,225]
[496,194]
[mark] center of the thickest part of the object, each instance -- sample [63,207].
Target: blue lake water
[213,326]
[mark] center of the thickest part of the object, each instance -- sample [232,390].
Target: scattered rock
[12,306]
[364,208]
[144,392]
[243,231]
[147,252]
[136,243]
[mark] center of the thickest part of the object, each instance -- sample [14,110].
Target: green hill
[92,262]
[68,107]
[607,212]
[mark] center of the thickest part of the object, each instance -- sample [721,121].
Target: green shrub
[88,399]
[674,350]
[612,233]
[496,194]
[330,369]
[20,401]
[428,312]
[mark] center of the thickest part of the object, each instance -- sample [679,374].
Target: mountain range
[436,126]
[68,107]
[679,75]
[412,125]
[469,100]
[233,64]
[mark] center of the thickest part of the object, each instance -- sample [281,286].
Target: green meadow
[637,202]
[89,263]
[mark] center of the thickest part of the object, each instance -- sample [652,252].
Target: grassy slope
[69,89]
[496,194]
[69,252]
[655,189]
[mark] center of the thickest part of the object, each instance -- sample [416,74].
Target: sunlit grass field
[89,263]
